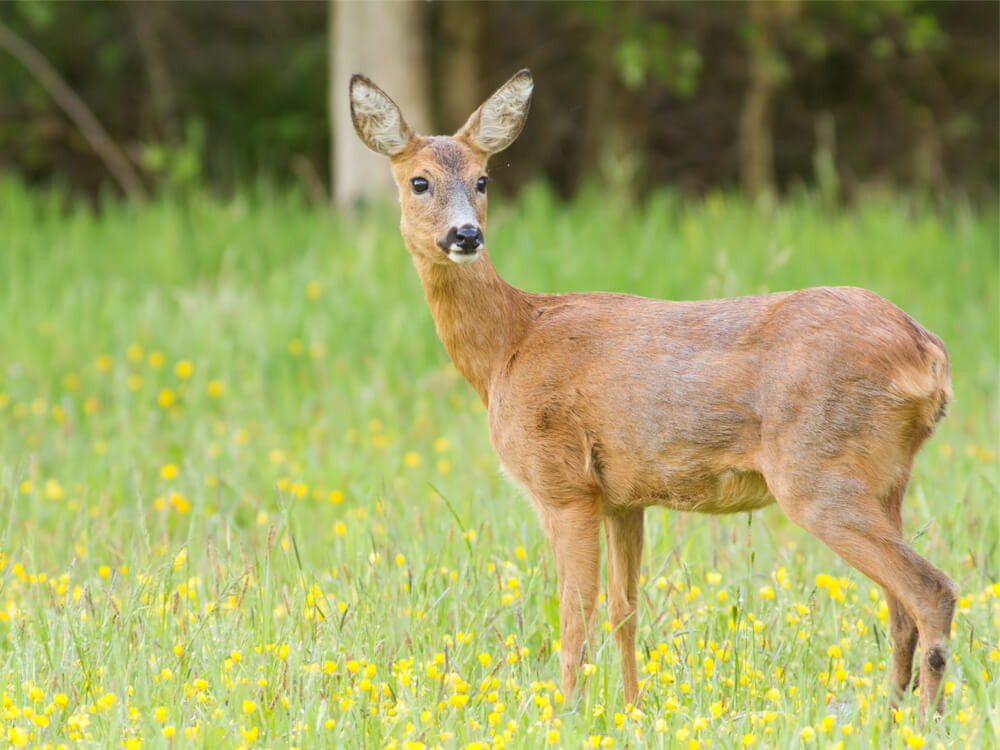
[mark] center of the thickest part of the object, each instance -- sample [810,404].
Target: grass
[246,501]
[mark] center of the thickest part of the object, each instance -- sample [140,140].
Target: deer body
[601,405]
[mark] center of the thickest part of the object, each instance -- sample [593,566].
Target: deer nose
[469,237]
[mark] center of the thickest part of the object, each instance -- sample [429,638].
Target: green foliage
[178,168]
[650,51]
[227,432]
[911,86]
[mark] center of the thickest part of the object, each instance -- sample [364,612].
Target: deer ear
[377,119]
[495,125]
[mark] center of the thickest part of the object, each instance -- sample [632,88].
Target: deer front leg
[575,535]
[624,536]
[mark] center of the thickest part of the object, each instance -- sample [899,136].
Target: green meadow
[246,501]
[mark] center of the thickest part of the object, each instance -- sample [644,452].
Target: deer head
[441,179]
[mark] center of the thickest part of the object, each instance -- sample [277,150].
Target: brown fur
[603,404]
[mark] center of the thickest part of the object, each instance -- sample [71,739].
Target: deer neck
[480,318]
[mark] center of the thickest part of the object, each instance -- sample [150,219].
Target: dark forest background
[767,96]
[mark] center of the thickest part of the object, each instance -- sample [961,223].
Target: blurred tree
[633,94]
[385,41]
[75,108]
[767,71]
[148,19]
[455,55]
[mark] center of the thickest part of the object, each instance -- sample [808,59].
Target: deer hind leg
[624,540]
[903,632]
[860,528]
[574,531]
[902,628]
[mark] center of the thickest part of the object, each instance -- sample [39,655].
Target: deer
[601,405]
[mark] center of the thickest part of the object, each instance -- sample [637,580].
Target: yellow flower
[411,459]
[552,737]
[168,471]
[60,699]
[249,706]
[168,731]
[165,397]
[160,713]
[827,724]
[749,739]
[17,736]
[485,659]
[340,528]
[458,700]
[833,652]
[104,571]
[216,388]
[183,369]
[104,362]
[54,490]
[766,592]
[831,584]
[249,734]
[915,740]
[180,503]
[336,496]
[314,289]
[808,733]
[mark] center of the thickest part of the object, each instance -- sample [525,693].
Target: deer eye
[419,185]
[481,184]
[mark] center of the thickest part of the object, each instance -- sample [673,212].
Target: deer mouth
[458,255]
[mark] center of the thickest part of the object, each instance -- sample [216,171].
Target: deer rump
[702,406]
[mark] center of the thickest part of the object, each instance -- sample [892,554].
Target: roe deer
[602,405]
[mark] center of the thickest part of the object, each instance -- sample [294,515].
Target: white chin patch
[458,255]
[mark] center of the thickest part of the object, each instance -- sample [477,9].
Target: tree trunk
[756,155]
[459,85]
[147,18]
[385,41]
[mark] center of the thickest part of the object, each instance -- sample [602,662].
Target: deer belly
[728,491]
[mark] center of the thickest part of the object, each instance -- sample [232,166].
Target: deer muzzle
[462,244]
